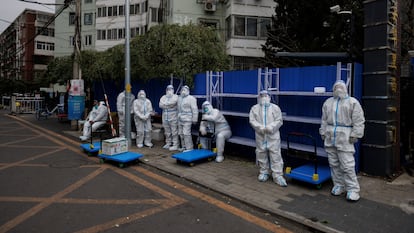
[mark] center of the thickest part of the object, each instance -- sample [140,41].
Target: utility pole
[76,101]
[77,41]
[127,77]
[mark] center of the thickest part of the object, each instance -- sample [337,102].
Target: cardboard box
[157,134]
[114,146]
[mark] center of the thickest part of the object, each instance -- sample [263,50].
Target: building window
[109,33]
[251,24]
[209,23]
[264,25]
[43,18]
[104,11]
[45,31]
[247,26]
[121,33]
[112,11]
[88,18]
[88,1]
[228,28]
[101,34]
[137,9]
[112,34]
[109,11]
[145,7]
[71,41]
[136,31]
[40,45]
[88,40]
[121,10]
[72,18]
[132,10]
[154,15]
[239,26]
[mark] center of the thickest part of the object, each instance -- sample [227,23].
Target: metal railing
[23,104]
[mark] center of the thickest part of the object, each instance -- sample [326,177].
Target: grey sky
[10,9]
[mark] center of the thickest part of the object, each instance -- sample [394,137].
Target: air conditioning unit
[210,5]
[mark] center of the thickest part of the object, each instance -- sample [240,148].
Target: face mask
[95,107]
[184,92]
[206,110]
[265,100]
[169,92]
[339,92]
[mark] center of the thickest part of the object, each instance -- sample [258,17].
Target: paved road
[385,205]
[49,185]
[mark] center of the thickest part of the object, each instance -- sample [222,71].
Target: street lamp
[337,9]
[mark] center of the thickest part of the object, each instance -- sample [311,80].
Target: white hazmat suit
[266,119]
[142,116]
[214,118]
[187,115]
[168,104]
[120,107]
[97,117]
[342,124]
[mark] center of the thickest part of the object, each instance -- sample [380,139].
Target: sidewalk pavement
[385,206]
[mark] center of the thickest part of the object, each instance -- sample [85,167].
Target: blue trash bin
[76,107]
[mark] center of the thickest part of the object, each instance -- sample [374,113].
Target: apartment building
[27,46]
[66,24]
[241,23]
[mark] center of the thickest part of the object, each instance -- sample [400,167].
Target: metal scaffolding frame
[267,79]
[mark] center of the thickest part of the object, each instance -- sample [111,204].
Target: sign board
[76,107]
[76,87]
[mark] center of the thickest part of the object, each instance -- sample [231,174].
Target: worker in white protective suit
[343,123]
[97,117]
[266,119]
[120,107]
[187,115]
[142,116]
[213,119]
[168,104]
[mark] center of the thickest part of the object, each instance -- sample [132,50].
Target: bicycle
[45,112]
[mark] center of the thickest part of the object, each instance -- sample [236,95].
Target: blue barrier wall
[297,79]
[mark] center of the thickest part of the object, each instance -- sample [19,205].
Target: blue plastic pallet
[194,155]
[305,173]
[91,150]
[121,159]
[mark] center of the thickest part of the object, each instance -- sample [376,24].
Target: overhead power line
[42,3]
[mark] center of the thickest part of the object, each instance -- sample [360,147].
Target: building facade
[66,24]
[241,23]
[27,46]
